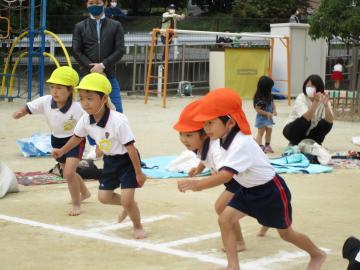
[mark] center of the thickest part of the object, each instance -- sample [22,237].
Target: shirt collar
[205,149]
[102,17]
[103,120]
[64,108]
[229,138]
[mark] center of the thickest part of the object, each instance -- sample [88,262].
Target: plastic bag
[8,181]
[38,145]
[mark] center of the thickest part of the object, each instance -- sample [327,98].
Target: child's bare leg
[220,205]
[70,175]
[337,84]
[317,256]
[132,209]
[227,219]
[110,197]
[262,232]
[260,135]
[268,132]
[84,192]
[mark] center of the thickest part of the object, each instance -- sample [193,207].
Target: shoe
[268,149]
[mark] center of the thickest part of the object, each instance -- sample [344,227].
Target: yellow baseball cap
[95,82]
[64,76]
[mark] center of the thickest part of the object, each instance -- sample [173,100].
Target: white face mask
[113,4]
[310,91]
[172,11]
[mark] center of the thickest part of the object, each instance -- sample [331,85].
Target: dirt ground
[36,233]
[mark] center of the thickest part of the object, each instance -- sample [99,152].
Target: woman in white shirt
[311,116]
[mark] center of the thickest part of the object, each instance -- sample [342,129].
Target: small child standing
[114,138]
[263,195]
[337,74]
[265,108]
[193,136]
[62,114]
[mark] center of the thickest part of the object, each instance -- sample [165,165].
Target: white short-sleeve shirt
[112,133]
[210,155]
[338,67]
[301,106]
[243,156]
[61,121]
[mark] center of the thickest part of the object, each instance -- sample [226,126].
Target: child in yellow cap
[114,138]
[62,114]
[263,194]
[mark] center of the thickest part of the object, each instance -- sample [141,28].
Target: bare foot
[75,210]
[316,261]
[139,234]
[83,197]
[262,231]
[122,216]
[239,247]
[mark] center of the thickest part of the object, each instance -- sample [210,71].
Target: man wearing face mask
[311,116]
[98,44]
[113,11]
[168,21]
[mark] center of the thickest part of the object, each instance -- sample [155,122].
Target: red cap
[186,121]
[222,102]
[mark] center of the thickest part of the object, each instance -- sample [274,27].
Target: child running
[62,114]
[265,108]
[263,194]
[114,138]
[193,136]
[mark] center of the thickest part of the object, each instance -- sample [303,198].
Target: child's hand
[185,185]
[193,172]
[269,115]
[56,153]
[140,179]
[17,114]
[98,152]
[275,113]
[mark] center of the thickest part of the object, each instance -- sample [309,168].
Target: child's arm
[134,156]
[20,113]
[274,108]
[222,177]
[197,170]
[73,142]
[262,112]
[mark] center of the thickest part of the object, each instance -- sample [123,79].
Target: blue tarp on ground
[297,163]
[160,171]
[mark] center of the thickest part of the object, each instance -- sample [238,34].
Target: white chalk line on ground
[191,240]
[258,264]
[116,226]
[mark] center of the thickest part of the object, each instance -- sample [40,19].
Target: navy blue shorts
[118,172]
[268,203]
[76,152]
[232,186]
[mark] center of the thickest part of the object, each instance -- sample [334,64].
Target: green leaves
[340,18]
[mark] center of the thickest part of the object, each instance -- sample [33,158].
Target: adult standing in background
[113,11]
[311,116]
[294,16]
[98,44]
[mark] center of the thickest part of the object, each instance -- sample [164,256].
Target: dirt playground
[36,233]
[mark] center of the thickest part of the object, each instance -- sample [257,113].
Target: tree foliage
[337,18]
[267,8]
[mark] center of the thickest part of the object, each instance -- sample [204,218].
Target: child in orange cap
[194,138]
[263,194]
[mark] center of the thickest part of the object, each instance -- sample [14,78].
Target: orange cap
[221,102]
[186,121]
